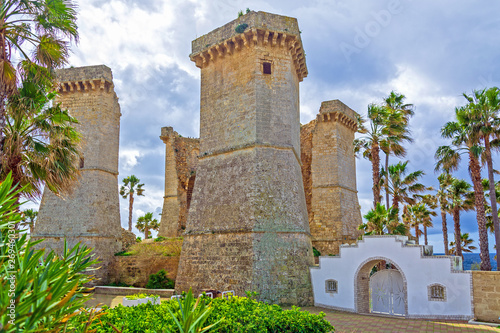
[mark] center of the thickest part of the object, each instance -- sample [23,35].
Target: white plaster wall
[419,272]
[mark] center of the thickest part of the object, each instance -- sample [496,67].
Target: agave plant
[192,314]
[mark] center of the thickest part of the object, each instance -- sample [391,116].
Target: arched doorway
[384,291]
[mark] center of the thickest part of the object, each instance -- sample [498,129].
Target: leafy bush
[238,314]
[159,239]
[39,291]
[123,254]
[138,239]
[140,295]
[118,284]
[240,28]
[160,281]
[316,252]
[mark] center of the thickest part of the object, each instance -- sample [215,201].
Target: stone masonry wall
[135,270]
[486,293]
[91,213]
[247,227]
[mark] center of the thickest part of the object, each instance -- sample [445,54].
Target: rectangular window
[267,68]
[331,286]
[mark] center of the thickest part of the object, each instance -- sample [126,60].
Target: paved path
[345,322]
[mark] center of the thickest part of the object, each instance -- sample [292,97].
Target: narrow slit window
[267,68]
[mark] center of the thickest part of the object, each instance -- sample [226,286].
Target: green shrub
[123,254]
[160,281]
[39,290]
[138,239]
[160,238]
[238,314]
[316,252]
[140,295]
[118,284]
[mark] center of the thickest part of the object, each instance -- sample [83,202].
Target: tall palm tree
[382,125]
[484,108]
[465,244]
[460,199]
[392,144]
[41,146]
[36,34]
[381,221]
[489,212]
[400,184]
[416,215]
[29,219]
[465,139]
[130,187]
[146,223]
[445,180]
[430,203]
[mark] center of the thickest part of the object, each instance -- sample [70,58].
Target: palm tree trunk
[445,233]
[375,152]
[458,239]
[416,233]
[425,235]
[493,197]
[387,180]
[130,207]
[395,201]
[146,232]
[475,172]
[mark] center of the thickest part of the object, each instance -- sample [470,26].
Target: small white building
[419,285]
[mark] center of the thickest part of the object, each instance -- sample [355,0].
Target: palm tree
[146,223]
[416,215]
[401,112]
[130,186]
[465,139]
[445,180]
[484,107]
[382,126]
[39,28]
[40,145]
[465,244]
[489,212]
[381,221]
[430,203]
[29,219]
[460,199]
[400,185]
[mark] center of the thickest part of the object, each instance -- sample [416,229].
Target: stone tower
[334,212]
[91,214]
[247,227]
[181,161]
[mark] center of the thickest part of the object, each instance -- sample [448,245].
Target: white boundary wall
[418,271]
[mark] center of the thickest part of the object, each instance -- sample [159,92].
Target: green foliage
[118,284]
[147,223]
[160,281]
[160,239]
[248,10]
[140,295]
[240,28]
[42,289]
[383,222]
[240,13]
[316,252]
[123,254]
[237,314]
[138,239]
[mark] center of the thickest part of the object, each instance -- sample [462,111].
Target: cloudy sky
[356,51]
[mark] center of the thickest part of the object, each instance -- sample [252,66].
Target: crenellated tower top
[252,29]
[336,111]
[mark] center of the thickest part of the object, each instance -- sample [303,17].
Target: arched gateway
[387,275]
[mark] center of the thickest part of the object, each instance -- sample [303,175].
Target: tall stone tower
[181,161]
[91,214]
[247,227]
[334,213]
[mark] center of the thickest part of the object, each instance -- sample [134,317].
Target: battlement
[336,111]
[253,29]
[88,78]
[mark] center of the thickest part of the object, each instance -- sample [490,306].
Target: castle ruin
[91,214]
[247,228]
